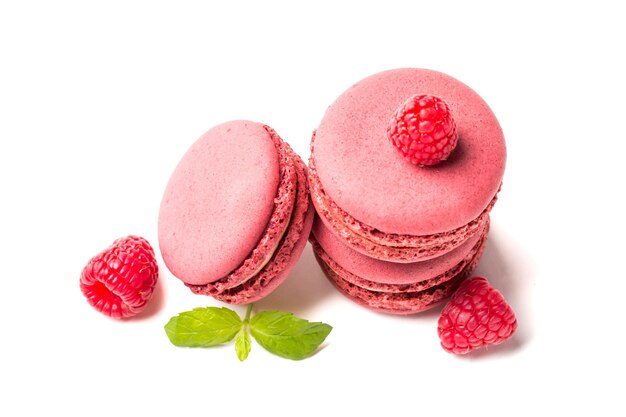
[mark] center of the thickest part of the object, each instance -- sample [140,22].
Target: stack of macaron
[236,213]
[405,167]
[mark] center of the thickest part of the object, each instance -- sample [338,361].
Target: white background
[99,102]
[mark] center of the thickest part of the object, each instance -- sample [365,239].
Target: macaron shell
[290,176]
[218,202]
[366,176]
[383,272]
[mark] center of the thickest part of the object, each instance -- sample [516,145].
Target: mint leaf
[242,344]
[203,327]
[286,335]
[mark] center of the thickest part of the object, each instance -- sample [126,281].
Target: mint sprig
[203,327]
[279,332]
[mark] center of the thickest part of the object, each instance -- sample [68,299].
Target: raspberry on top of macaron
[423,130]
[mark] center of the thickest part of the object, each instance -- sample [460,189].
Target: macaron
[392,287]
[236,214]
[381,205]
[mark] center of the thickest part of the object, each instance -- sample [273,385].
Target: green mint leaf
[242,344]
[203,327]
[286,335]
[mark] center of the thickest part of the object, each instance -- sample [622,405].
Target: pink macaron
[392,287]
[380,204]
[236,213]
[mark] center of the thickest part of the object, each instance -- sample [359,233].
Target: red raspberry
[120,280]
[476,316]
[423,130]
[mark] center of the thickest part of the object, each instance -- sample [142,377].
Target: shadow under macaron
[304,289]
[506,274]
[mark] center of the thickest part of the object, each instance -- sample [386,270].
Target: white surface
[98,103]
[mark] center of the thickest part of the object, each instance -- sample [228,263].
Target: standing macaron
[405,168]
[236,213]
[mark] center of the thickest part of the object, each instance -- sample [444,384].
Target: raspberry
[423,130]
[476,316]
[120,280]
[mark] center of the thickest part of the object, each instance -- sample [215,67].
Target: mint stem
[248,312]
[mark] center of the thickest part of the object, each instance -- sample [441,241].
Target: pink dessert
[236,214]
[376,202]
[391,287]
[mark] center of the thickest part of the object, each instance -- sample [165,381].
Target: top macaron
[236,213]
[382,205]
